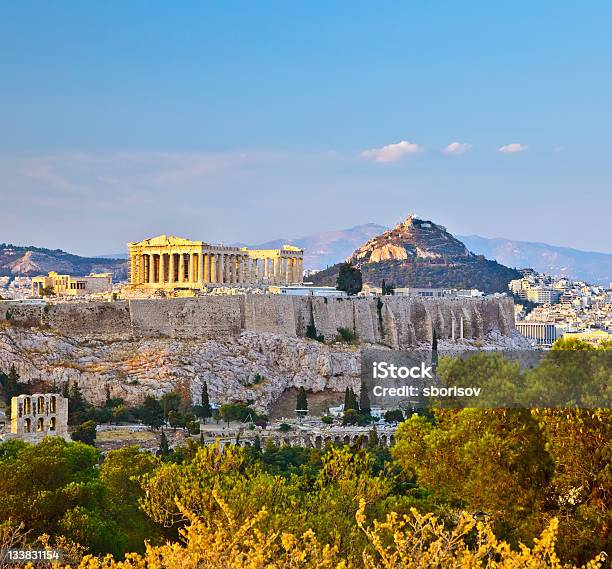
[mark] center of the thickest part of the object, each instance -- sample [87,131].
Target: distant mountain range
[28,261]
[327,248]
[595,268]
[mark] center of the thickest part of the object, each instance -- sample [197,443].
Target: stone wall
[392,321]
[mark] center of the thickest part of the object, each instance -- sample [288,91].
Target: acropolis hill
[152,346]
[168,332]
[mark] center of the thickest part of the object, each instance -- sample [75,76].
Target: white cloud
[457,148]
[392,152]
[513,148]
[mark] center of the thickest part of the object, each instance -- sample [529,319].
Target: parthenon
[168,262]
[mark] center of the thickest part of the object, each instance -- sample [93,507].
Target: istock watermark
[487,379]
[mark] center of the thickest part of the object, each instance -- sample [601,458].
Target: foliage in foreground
[412,541]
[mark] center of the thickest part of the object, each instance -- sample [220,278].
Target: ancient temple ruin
[34,417]
[168,262]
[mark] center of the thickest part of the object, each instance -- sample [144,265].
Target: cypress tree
[347,399]
[164,447]
[301,405]
[434,350]
[350,400]
[206,408]
[364,400]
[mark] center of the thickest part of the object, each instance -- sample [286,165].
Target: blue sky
[247,121]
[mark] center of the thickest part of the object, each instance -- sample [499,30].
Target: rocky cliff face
[133,369]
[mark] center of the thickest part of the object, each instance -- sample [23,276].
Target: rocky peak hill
[412,238]
[420,253]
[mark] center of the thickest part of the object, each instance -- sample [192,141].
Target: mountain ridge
[29,260]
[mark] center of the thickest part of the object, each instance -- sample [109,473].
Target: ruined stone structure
[312,438]
[67,285]
[34,417]
[168,262]
[396,322]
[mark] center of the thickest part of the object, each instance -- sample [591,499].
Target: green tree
[394,416]
[120,414]
[387,290]
[494,461]
[434,350]
[205,402]
[170,402]
[364,400]
[77,405]
[176,419]
[164,447]
[152,413]
[11,385]
[237,412]
[301,406]
[350,401]
[373,438]
[193,427]
[350,417]
[85,433]
[349,279]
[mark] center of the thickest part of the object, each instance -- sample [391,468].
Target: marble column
[141,274]
[162,268]
[132,269]
[171,268]
[152,268]
[221,268]
[244,261]
[206,267]
[212,259]
[181,275]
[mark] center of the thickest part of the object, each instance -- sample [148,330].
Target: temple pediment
[167,240]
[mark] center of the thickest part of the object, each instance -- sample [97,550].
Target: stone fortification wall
[393,321]
[202,317]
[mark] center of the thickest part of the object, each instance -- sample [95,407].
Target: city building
[67,285]
[34,417]
[438,292]
[543,295]
[168,262]
[307,290]
[544,333]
